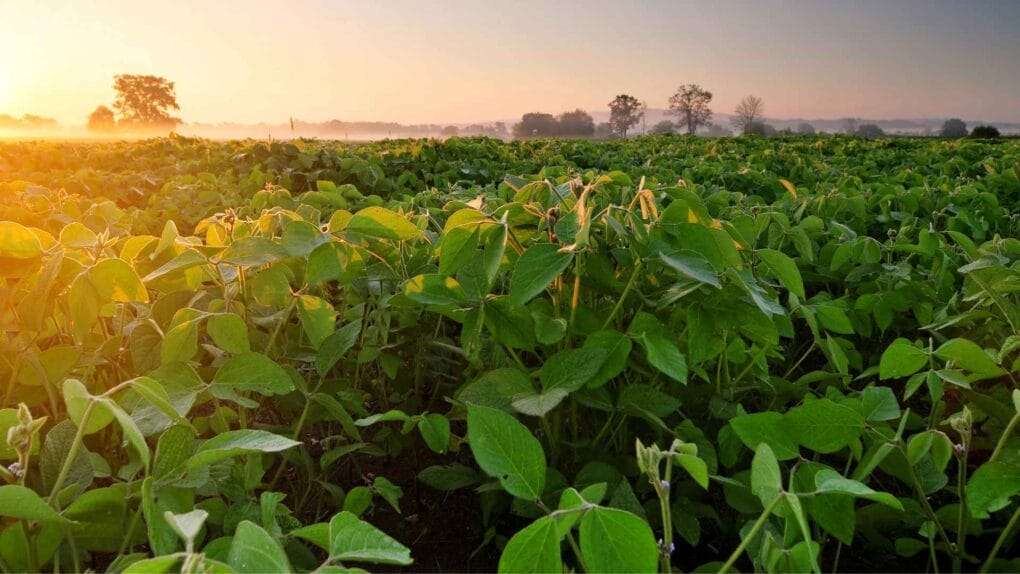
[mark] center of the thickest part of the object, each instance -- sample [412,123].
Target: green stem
[1005,435]
[298,428]
[927,506]
[577,551]
[1003,537]
[665,552]
[750,535]
[961,482]
[623,296]
[279,326]
[72,453]
[125,544]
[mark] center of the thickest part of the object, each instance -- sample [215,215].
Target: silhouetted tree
[805,128]
[450,131]
[954,128]
[690,105]
[101,120]
[758,128]
[664,127]
[536,125]
[985,132]
[624,113]
[576,123]
[747,112]
[869,131]
[850,125]
[145,100]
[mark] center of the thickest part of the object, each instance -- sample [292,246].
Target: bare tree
[690,105]
[747,113]
[624,113]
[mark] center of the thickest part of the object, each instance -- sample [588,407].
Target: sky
[455,61]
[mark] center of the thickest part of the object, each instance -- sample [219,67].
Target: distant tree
[954,128]
[577,123]
[644,117]
[450,131]
[664,127]
[690,105]
[101,120]
[717,131]
[985,132]
[747,113]
[624,113]
[604,130]
[536,125]
[850,125]
[869,131]
[30,121]
[145,101]
[805,128]
[759,128]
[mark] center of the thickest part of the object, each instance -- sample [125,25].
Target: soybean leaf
[335,346]
[229,332]
[506,449]
[383,223]
[970,356]
[535,269]
[318,318]
[435,430]
[238,443]
[768,428]
[352,539]
[901,359]
[614,540]
[831,481]
[23,503]
[534,549]
[766,481]
[254,550]
[434,289]
[784,269]
[253,372]
[824,426]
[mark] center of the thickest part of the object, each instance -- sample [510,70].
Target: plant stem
[72,453]
[1005,435]
[623,296]
[298,427]
[750,535]
[665,552]
[279,326]
[961,482]
[1003,537]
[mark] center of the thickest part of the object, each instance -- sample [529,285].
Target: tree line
[690,105]
[145,102]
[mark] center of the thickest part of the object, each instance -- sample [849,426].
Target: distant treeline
[27,122]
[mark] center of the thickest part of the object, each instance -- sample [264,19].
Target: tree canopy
[625,111]
[145,101]
[690,105]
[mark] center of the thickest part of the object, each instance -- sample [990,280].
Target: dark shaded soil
[443,529]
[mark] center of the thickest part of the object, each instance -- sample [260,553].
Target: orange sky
[459,61]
